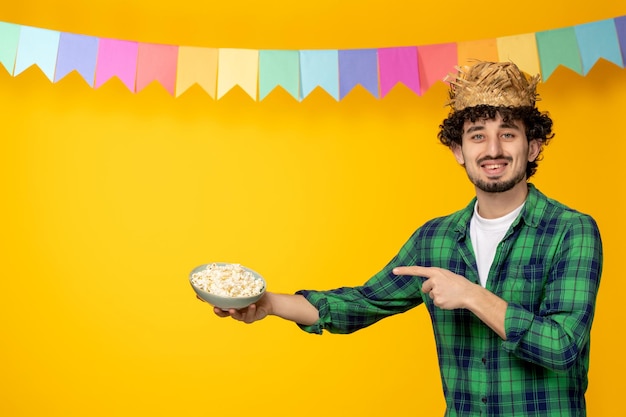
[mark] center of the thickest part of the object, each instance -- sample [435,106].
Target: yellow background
[110,198]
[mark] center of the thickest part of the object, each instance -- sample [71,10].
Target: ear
[534,147]
[457,150]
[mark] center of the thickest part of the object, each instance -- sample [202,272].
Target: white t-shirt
[486,234]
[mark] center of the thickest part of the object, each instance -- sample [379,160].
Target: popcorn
[227,280]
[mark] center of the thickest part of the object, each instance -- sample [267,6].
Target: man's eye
[477,137]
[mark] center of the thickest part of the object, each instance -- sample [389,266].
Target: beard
[496,186]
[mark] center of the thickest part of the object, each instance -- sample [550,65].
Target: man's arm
[450,291]
[291,307]
[554,336]
[489,308]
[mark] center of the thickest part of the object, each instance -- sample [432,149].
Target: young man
[510,281]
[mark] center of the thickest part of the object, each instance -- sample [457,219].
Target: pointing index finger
[415,270]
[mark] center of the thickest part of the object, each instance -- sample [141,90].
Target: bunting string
[258,72]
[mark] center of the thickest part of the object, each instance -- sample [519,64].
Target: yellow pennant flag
[521,49]
[238,67]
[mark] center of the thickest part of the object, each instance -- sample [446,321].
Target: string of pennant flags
[258,72]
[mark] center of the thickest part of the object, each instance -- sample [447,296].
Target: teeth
[493,166]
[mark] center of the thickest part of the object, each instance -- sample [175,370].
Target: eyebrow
[508,125]
[503,125]
[474,128]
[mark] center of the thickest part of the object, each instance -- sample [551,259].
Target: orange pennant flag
[197,65]
[482,50]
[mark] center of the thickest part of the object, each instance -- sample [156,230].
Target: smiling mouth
[494,170]
[493,166]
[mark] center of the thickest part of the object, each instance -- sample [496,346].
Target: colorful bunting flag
[9,39]
[480,50]
[237,67]
[279,68]
[77,53]
[299,72]
[558,47]
[358,67]
[37,47]
[197,65]
[156,63]
[117,59]
[521,49]
[620,27]
[398,65]
[435,62]
[319,68]
[598,40]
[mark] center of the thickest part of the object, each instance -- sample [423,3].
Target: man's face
[495,153]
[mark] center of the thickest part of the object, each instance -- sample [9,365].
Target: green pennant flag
[558,47]
[9,39]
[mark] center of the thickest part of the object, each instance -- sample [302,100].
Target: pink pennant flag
[156,63]
[435,62]
[117,58]
[398,65]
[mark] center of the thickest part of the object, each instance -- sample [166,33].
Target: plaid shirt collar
[531,214]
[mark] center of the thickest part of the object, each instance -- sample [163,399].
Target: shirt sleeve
[556,335]
[348,309]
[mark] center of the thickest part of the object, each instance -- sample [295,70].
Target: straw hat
[497,84]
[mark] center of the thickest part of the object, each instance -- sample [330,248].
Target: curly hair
[538,126]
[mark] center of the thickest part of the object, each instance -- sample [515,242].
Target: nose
[494,147]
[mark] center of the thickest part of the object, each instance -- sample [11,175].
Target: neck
[494,205]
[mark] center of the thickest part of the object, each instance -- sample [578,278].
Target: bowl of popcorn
[226,285]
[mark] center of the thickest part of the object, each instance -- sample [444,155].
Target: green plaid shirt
[547,267]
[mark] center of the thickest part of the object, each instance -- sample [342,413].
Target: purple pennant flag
[620,25]
[77,52]
[358,66]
